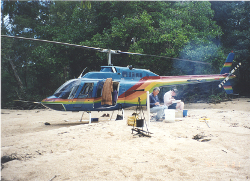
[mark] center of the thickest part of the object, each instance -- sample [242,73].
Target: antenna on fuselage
[82,73]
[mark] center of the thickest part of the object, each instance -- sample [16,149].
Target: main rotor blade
[55,42]
[102,49]
[131,53]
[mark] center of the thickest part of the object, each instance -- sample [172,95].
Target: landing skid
[106,107]
[89,112]
[117,115]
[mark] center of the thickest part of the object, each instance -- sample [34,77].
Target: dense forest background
[200,31]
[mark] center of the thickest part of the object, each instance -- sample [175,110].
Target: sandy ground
[69,150]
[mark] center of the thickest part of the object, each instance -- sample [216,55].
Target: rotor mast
[109,52]
[109,57]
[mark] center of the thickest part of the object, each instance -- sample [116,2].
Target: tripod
[140,122]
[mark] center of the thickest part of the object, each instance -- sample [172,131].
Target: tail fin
[228,64]
[228,87]
[226,68]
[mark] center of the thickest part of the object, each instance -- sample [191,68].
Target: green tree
[173,29]
[233,18]
[168,29]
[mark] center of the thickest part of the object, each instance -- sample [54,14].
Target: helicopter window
[64,91]
[133,74]
[86,91]
[73,92]
[129,74]
[124,74]
[106,69]
[137,74]
[99,89]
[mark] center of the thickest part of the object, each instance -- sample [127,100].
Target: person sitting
[170,102]
[155,106]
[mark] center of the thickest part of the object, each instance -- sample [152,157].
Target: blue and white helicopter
[115,87]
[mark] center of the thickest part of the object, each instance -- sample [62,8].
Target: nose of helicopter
[53,104]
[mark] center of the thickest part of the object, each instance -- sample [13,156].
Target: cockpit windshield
[65,90]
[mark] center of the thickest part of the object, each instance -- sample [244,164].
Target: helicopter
[115,88]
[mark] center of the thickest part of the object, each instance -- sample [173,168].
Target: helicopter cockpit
[68,89]
[73,88]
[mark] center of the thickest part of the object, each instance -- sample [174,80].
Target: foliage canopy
[200,31]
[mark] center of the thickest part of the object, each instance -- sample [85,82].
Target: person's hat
[175,90]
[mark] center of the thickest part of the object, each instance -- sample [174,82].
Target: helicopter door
[115,92]
[107,93]
[86,94]
[98,95]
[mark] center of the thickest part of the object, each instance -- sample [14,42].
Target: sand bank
[70,150]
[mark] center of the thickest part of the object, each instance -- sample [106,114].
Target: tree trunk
[20,84]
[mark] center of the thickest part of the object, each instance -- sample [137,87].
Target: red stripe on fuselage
[170,78]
